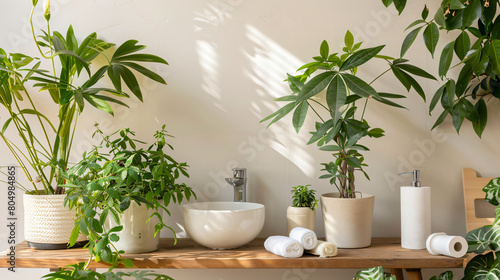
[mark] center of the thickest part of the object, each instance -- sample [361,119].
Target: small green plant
[304,197]
[115,174]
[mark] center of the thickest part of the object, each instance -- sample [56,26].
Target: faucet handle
[239,173]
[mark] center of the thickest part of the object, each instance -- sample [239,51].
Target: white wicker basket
[47,221]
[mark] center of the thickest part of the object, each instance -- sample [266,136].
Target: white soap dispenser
[415,213]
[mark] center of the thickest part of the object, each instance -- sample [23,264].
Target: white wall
[228,60]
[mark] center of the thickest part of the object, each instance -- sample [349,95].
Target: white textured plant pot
[137,236]
[348,221]
[47,222]
[300,217]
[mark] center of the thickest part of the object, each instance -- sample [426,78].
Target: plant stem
[316,112]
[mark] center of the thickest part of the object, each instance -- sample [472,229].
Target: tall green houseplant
[341,121]
[71,84]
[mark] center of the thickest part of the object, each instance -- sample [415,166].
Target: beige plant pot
[47,222]
[137,235]
[300,217]
[348,221]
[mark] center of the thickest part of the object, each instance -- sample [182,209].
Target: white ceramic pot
[47,222]
[137,236]
[348,221]
[300,217]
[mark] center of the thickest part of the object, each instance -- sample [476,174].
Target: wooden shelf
[386,252]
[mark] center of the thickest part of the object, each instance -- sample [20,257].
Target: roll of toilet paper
[415,216]
[441,244]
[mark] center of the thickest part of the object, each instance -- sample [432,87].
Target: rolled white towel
[324,249]
[305,236]
[284,246]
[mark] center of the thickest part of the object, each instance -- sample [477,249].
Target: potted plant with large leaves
[475,45]
[341,126]
[118,190]
[42,144]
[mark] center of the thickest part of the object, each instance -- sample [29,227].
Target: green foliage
[341,126]
[492,190]
[447,275]
[43,145]
[115,174]
[476,47]
[304,197]
[374,273]
[78,271]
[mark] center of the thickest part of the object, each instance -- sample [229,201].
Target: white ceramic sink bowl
[223,225]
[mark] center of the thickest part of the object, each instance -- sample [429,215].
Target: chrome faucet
[239,182]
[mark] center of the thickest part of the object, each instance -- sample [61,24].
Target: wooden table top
[386,252]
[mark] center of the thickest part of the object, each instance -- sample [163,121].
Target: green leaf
[321,131]
[128,47]
[114,237]
[472,12]
[446,59]
[456,5]
[358,86]
[354,162]
[482,110]
[331,148]
[128,263]
[387,3]
[402,77]
[125,204]
[74,235]
[116,229]
[336,95]
[295,84]
[349,40]
[360,57]
[425,12]
[492,190]
[282,112]
[299,115]
[440,119]
[98,103]
[431,37]
[435,99]
[416,71]
[375,273]
[439,17]
[144,71]
[483,239]
[409,39]
[494,54]
[462,45]
[315,86]
[324,50]
[400,5]
[141,57]
[482,267]
[388,102]
[83,227]
[89,212]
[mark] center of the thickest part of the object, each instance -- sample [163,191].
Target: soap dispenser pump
[415,213]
